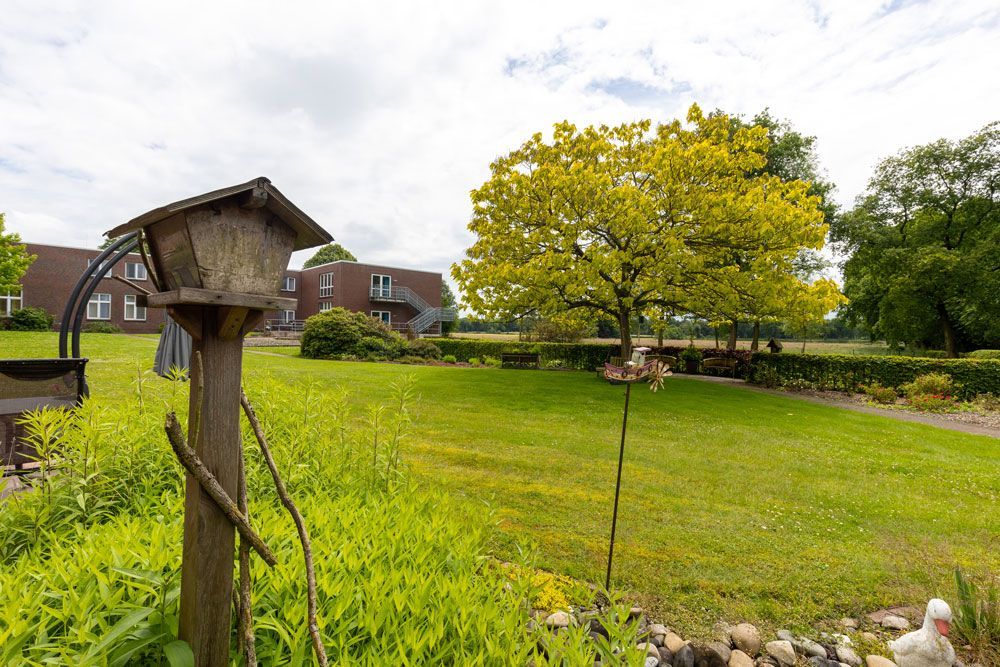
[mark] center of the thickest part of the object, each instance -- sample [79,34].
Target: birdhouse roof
[308,233]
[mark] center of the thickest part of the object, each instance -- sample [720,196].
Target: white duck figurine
[928,646]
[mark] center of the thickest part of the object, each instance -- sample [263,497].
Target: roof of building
[308,232]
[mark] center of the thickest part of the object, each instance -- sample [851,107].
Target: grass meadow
[736,505]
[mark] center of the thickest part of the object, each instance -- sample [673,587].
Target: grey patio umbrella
[174,350]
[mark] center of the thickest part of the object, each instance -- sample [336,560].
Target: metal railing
[284,325]
[399,295]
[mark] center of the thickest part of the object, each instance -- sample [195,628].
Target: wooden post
[207,574]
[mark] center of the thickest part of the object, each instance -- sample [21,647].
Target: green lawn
[736,504]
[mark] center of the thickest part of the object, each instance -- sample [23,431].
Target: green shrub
[690,353]
[797,384]
[422,347]
[880,394]
[492,362]
[474,361]
[411,359]
[984,354]
[30,318]
[554,364]
[987,402]
[977,617]
[929,384]
[339,332]
[851,372]
[102,328]
[933,403]
[449,359]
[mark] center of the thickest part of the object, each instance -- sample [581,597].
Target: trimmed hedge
[849,372]
[985,354]
[581,356]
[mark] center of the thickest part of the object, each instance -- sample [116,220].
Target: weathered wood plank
[203,297]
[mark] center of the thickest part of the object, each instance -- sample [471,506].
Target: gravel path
[966,422]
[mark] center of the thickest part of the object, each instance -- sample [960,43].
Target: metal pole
[618,486]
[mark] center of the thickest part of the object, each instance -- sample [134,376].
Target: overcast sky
[377,119]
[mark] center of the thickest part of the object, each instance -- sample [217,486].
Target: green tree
[615,221]
[14,258]
[448,300]
[924,245]
[331,252]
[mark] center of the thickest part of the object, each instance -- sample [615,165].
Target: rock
[722,649]
[849,623]
[781,651]
[811,648]
[656,640]
[635,612]
[746,638]
[878,661]
[766,661]
[740,659]
[721,631]
[894,622]
[912,614]
[673,642]
[666,656]
[652,662]
[684,657]
[652,651]
[657,630]
[785,635]
[869,636]
[847,654]
[560,619]
[706,657]
[818,661]
[598,627]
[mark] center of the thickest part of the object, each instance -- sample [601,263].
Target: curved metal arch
[102,271]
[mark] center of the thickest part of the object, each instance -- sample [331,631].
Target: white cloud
[378,118]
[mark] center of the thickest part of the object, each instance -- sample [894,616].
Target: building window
[325,306]
[383,315]
[135,271]
[287,316]
[326,284]
[288,284]
[9,302]
[99,307]
[381,286]
[133,311]
[103,265]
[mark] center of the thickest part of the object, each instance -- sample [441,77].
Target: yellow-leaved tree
[617,221]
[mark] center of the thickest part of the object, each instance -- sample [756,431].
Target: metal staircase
[427,315]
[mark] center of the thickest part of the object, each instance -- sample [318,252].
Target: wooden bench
[520,360]
[670,361]
[720,364]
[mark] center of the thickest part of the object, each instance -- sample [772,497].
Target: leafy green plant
[933,403]
[492,362]
[977,616]
[474,361]
[987,402]
[555,364]
[422,347]
[30,318]
[879,394]
[984,354]
[691,353]
[449,359]
[102,328]
[930,384]
[798,384]
[339,332]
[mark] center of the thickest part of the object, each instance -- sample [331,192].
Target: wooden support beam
[231,320]
[188,317]
[194,296]
[255,198]
[209,540]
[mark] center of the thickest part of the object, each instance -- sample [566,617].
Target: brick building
[406,299]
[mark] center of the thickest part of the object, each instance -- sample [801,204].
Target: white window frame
[326,284]
[383,284]
[325,306]
[378,314]
[98,299]
[287,316]
[288,284]
[7,300]
[103,264]
[138,312]
[136,271]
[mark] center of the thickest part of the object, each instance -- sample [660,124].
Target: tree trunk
[754,344]
[948,329]
[716,338]
[659,337]
[624,325]
[731,343]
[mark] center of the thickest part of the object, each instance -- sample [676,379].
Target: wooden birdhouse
[774,345]
[228,247]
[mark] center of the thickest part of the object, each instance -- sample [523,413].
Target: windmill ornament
[636,370]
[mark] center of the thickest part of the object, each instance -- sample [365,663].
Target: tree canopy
[612,222]
[924,245]
[14,258]
[331,252]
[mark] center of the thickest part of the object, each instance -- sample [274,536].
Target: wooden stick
[245,610]
[198,394]
[300,525]
[137,288]
[189,459]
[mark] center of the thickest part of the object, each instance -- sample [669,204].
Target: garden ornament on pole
[654,371]
[218,260]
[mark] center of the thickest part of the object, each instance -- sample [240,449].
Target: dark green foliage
[985,354]
[30,318]
[449,359]
[332,252]
[851,373]
[102,327]
[339,332]
[579,356]
[424,348]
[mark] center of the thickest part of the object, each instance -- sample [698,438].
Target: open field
[735,504]
[812,347]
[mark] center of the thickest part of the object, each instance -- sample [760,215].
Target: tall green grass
[91,555]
